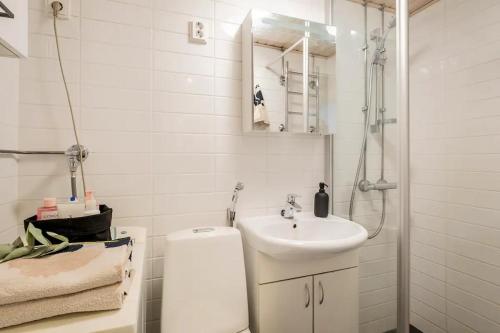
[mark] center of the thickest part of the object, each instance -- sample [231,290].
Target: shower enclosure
[365,177]
[413,87]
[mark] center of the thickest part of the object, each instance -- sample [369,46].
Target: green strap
[18,249]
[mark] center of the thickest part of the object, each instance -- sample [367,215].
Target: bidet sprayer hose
[56,8]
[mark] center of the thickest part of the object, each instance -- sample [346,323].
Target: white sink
[303,237]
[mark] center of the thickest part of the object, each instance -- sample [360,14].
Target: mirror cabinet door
[288,75]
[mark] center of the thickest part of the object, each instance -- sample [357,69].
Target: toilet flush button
[198,230]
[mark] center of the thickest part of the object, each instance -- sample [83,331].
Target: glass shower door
[366,152]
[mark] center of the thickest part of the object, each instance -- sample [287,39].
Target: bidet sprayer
[231,212]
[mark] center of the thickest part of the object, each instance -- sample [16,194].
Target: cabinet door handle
[322,293]
[308,294]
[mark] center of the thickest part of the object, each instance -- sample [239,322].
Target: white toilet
[204,286]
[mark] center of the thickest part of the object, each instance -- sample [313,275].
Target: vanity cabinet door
[286,306]
[336,302]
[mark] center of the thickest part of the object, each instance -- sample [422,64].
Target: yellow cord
[57,7]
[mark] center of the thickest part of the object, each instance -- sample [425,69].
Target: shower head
[390,26]
[380,38]
[392,23]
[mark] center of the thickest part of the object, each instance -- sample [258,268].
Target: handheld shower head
[380,39]
[392,23]
[390,26]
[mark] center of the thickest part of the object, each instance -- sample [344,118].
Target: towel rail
[32,152]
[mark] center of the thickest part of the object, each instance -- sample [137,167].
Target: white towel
[260,115]
[90,267]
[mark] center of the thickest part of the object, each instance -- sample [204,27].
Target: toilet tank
[204,286]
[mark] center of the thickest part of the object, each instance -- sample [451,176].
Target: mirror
[288,74]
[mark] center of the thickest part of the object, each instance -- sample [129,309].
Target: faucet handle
[290,198]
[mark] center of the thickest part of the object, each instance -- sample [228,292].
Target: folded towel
[91,266]
[260,115]
[98,299]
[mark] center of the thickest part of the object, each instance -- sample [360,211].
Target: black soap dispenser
[321,201]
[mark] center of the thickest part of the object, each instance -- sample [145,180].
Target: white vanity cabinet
[303,296]
[322,303]
[286,306]
[336,301]
[302,273]
[13,28]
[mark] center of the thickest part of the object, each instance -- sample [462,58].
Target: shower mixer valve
[75,159]
[381,185]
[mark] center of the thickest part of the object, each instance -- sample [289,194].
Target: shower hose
[56,8]
[362,159]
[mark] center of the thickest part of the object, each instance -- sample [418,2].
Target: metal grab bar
[32,152]
[73,154]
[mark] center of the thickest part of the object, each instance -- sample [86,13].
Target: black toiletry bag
[93,228]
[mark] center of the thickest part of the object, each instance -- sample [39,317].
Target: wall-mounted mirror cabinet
[288,74]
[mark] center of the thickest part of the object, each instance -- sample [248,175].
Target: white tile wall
[455,103]
[378,256]
[9,106]
[161,117]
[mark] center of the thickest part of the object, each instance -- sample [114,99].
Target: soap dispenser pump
[321,201]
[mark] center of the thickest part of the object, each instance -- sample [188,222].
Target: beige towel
[98,299]
[91,267]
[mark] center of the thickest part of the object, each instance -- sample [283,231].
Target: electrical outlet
[65,13]
[197,32]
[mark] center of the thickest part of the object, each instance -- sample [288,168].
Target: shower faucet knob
[73,154]
[74,150]
[364,185]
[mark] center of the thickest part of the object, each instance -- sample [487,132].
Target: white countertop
[128,319]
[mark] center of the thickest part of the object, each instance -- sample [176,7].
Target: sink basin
[303,237]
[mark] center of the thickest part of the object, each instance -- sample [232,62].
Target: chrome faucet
[291,207]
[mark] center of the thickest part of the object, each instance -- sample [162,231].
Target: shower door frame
[403,96]
[403,107]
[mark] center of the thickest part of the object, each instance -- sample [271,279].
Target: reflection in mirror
[288,74]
